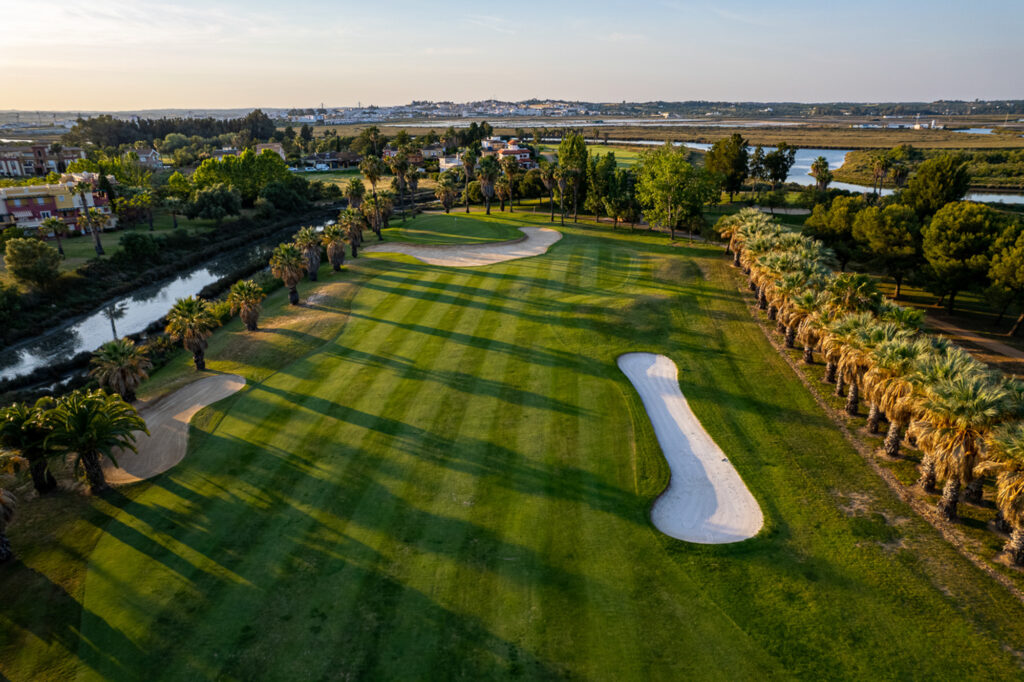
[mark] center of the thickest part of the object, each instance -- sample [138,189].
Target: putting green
[457,487]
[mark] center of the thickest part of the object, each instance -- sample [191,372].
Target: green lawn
[441,474]
[453,228]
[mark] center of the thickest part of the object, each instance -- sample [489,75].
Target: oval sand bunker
[706,500]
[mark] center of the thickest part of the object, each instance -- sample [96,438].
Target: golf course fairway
[441,473]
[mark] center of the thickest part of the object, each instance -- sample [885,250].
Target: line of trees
[106,131]
[927,232]
[967,420]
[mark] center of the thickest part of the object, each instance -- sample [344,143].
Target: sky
[141,54]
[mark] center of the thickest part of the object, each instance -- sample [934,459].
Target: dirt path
[706,501]
[998,352]
[168,428]
[537,241]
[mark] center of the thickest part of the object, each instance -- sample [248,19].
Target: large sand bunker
[168,428]
[537,241]
[706,500]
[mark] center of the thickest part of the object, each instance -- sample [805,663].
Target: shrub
[33,262]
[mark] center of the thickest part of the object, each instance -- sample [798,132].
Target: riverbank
[991,171]
[65,348]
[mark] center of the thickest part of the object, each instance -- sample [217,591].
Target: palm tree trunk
[840,385]
[790,341]
[60,247]
[928,477]
[950,499]
[551,204]
[808,355]
[874,417]
[830,372]
[1000,523]
[736,258]
[97,246]
[974,492]
[1014,548]
[42,478]
[293,295]
[772,312]
[199,359]
[892,440]
[94,472]
[762,299]
[853,399]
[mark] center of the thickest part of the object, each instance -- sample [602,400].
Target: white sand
[537,241]
[706,500]
[168,421]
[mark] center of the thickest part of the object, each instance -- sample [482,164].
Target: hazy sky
[129,54]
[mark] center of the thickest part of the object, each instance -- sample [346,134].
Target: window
[40,201]
[44,214]
[17,203]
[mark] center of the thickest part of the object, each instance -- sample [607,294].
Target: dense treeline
[967,420]
[107,131]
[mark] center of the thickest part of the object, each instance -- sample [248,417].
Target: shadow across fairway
[481,458]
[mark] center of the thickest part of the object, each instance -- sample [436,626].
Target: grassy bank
[989,170]
[441,473]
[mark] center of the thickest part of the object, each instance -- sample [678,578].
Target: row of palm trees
[967,419]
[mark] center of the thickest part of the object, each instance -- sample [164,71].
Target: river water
[132,313]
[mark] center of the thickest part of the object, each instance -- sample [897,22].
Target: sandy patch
[168,421]
[537,241]
[706,501]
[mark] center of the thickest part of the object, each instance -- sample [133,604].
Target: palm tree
[372,168]
[7,507]
[511,167]
[562,179]
[59,229]
[942,362]
[94,221]
[957,415]
[352,222]
[120,366]
[446,190]
[191,320]
[355,190]
[23,434]
[502,191]
[288,265]
[333,239]
[91,425]
[487,172]
[888,385]
[399,164]
[245,298]
[1006,446]
[547,176]
[468,162]
[308,242]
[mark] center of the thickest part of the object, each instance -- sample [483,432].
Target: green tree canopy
[728,158]
[215,202]
[834,226]
[936,183]
[1007,268]
[957,244]
[32,262]
[892,235]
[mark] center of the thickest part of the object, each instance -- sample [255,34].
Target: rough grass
[450,479]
